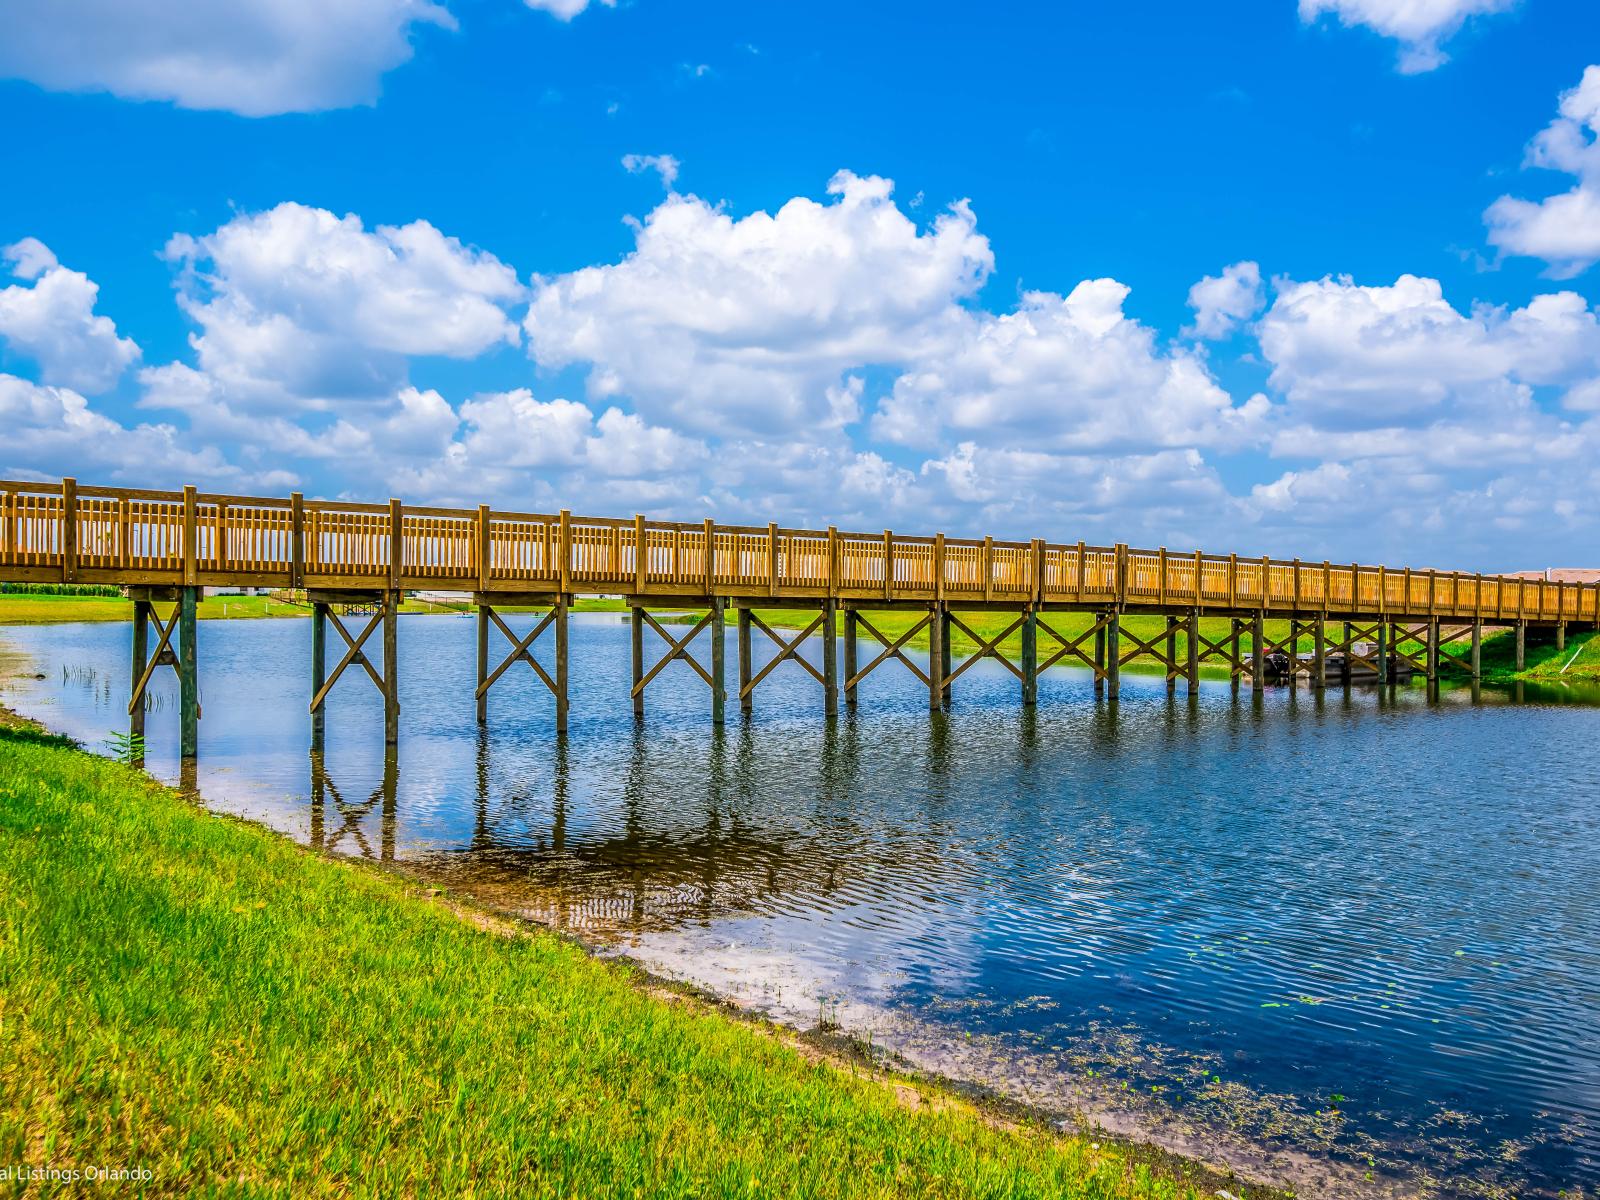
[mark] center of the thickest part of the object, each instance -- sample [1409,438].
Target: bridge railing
[63,532]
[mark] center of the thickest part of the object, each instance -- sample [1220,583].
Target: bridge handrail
[69,532]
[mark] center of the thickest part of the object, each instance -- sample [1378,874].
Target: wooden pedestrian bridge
[164,547]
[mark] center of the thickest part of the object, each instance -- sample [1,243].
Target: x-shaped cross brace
[1142,646]
[353,654]
[986,648]
[1209,649]
[519,651]
[162,645]
[1073,646]
[891,650]
[677,648]
[787,650]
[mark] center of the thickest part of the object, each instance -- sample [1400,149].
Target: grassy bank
[199,998]
[1577,662]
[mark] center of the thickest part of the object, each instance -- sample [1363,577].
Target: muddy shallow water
[1325,938]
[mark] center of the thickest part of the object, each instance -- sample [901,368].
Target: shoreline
[940,1056]
[917,1090]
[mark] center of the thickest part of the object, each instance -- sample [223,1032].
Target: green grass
[1542,661]
[1069,624]
[199,997]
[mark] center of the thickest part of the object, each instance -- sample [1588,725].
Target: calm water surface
[1324,938]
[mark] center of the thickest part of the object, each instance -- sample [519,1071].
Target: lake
[1349,941]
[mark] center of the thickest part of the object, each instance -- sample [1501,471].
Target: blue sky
[1006,341]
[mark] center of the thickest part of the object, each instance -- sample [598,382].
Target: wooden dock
[165,546]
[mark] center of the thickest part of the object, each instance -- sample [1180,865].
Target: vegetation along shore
[198,997]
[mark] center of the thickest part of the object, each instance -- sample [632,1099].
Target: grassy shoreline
[202,998]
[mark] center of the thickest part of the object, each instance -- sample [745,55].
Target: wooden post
[1477,650]
[746,698]
[830,657]
[1235,641]
[1433,642]
[1522,644]
[719,643]
[319,674]
[391,667]
[141,655]
[636,632]
[297,540]
[188,675]
[1172,637]
[641,560]
[564,575]
[1319,652]
[483,663]
[850,657]
[69,531]
[1114,656]
[1099,658]
[1030,657]
[1258,657]
[396,546]
[944,644]
[936,632]
[1561,636]
[191,538]
[1384,642]
[563,607]
[1193,658]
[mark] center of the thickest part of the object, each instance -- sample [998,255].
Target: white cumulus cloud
[1563,230]
[1223,302]
[1420,26]
[298,307]
[750,324]
[253,57]
[1062,372]
[54,323]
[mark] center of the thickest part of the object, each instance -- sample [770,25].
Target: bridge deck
[67,533]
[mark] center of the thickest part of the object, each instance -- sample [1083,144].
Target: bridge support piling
[319,675]
[562,645]
[1100,661]
[1432,660]
[1235,642]
[1522,644]
[1561,636]
[1258,653]
[850,681]
[391,668]
[1030,657]
[747,697]
[188,675]
[1319,653]
[830,657]
[483,663]
[1348,646]
[719,646]
[938,638]
[1382,663]
[141,655]
[1192,663]
[1114,656]
[1172,655]
[636,636]
[1477,651]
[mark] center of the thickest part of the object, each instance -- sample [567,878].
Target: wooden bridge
[166,546]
